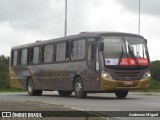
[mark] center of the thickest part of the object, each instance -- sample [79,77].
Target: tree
[155,70]
[4,72]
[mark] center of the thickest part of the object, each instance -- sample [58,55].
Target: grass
[149,90]
[153,90]
[12,90]
[154,87]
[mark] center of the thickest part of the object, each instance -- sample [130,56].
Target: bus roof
[80,35]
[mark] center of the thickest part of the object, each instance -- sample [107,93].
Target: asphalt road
[94,102]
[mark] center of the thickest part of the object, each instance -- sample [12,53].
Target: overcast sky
[26,21]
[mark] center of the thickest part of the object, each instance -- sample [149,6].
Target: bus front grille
[128,73]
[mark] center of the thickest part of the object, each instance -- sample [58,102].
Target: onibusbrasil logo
[20,114]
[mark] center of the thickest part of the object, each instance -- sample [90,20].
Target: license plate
[128,82]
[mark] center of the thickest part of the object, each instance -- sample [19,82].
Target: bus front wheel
[121,93]
[79,88]
[31,90]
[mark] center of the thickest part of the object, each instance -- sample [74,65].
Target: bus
[88,62]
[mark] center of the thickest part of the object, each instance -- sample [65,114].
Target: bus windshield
[125,50]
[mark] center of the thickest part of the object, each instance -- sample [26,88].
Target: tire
[79,88]
[31,90]
[39,92]
[121,93]
[64,92]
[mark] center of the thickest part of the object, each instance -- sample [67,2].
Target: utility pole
[139,18]
[65,23]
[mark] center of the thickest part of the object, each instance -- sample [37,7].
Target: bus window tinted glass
[48,53]
[78,50]
[30,55]
[81,49]
[136,47]
[36,55]
[114,47]
[24,54]
[41,54]
[61,52]
[91,52]
[15,53]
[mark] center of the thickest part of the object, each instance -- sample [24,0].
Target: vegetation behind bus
[4,72]
[4,76]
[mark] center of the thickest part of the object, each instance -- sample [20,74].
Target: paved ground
[141,101]
[22,107]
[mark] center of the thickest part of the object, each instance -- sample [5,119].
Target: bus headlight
[106,75]
[147,75]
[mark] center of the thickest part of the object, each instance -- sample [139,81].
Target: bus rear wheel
[31,90]
[64,93]
[79,88]
[121,93]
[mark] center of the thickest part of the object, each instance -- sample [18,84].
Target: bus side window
[54,54]
[78,48]
[36,55]
[48,53]
[41,54]
[24,56]
[19,57]
[91,52]
[14,58]
[72,51]
[31,56]
[60,52]
[67,51]
[92,57]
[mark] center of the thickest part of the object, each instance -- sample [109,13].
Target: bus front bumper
[106,84]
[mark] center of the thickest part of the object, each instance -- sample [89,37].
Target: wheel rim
[30,87]
[78,88]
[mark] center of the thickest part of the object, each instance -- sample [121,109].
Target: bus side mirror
[101,46]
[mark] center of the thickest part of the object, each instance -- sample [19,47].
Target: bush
[4,72]
[155,85]
[155,70]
